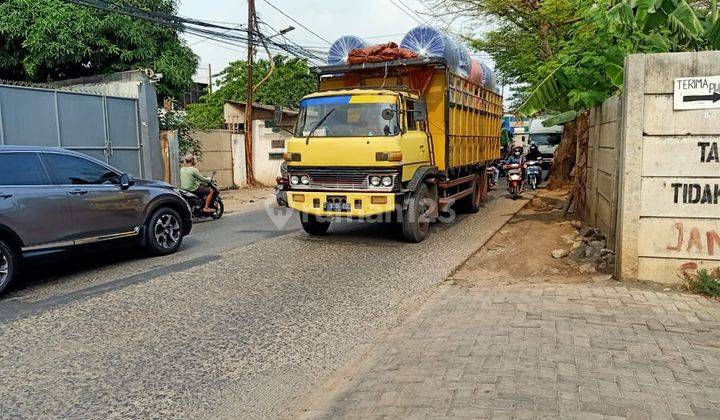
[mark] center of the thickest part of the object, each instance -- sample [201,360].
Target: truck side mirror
[420,111]
[276,128]
[388,114]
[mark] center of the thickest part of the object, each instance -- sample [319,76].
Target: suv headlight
[294,180]
[387,181]
[305,180]
[375,181]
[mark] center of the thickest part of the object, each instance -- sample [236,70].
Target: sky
[374,20]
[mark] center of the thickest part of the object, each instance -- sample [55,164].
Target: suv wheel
[8,265]
[164,232]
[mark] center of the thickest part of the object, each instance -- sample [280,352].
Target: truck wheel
[471,203]
[8,265]
[416,219]
[313,225]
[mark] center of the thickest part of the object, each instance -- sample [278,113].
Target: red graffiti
[694,240]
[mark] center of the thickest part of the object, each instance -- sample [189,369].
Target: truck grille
[343,179]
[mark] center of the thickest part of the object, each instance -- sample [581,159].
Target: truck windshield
[546,139]
[346,120]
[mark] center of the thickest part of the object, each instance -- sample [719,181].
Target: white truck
[546,138]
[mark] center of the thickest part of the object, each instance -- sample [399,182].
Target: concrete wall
[602,167]
[217,148]
[224,152]
[268,150]
[662,229]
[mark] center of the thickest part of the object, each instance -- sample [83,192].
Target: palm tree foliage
[588,65]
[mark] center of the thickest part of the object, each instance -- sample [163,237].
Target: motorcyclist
[191,180]
[516,156]
[533,153]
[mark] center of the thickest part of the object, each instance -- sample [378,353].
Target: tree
[524,34]
[290,81]
[48,40]
[568,54]
[589,67]
[176,120]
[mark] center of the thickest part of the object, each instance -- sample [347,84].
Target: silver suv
[52,199]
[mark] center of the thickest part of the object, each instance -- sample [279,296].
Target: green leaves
[685,21]
[643,8]
[544,94]
[616,74]
[621,14]
[713,35]
[46,40]
[560,119]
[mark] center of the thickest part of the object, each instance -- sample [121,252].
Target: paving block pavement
[586,351]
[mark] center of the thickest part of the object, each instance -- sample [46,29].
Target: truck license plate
[337,206]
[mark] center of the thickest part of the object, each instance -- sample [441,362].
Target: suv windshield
[342,118]
[546,139]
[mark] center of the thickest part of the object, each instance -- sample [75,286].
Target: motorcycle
[490,172]
[533,173]
[281,191]
[515,179]
[197,204]
[283,185]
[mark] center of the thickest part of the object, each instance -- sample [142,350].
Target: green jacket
[190,178]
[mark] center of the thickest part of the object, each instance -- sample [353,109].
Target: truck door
[416,147]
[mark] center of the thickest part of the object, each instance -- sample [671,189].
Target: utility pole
[248,105]
[209,78]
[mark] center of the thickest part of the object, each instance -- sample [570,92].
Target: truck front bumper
[360,204]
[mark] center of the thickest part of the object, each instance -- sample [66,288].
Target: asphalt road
[243,322]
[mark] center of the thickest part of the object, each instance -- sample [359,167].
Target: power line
[203,40]
[203,29]
[277,32]
[413,11]
[293,19]
[405,11]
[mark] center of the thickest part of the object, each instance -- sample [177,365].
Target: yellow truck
[404,139]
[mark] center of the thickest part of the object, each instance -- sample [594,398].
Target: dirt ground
[246,198]
[521,250]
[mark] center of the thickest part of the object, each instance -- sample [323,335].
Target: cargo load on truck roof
[424,42]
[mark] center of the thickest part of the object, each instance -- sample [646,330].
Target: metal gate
[105,127]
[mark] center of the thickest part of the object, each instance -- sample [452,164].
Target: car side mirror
[126,182]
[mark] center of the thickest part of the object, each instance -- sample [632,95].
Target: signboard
[700,92]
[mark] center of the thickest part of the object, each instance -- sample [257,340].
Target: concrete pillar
[630,173]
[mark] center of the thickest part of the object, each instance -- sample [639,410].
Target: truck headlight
[294,180]
[305,180]
[375,181]
[387,181]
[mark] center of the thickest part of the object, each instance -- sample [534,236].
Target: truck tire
[313,225]
[415,220]
[164,232]
[8,265]
[471,203]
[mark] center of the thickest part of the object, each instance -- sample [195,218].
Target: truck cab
[353,149]
[547,139]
